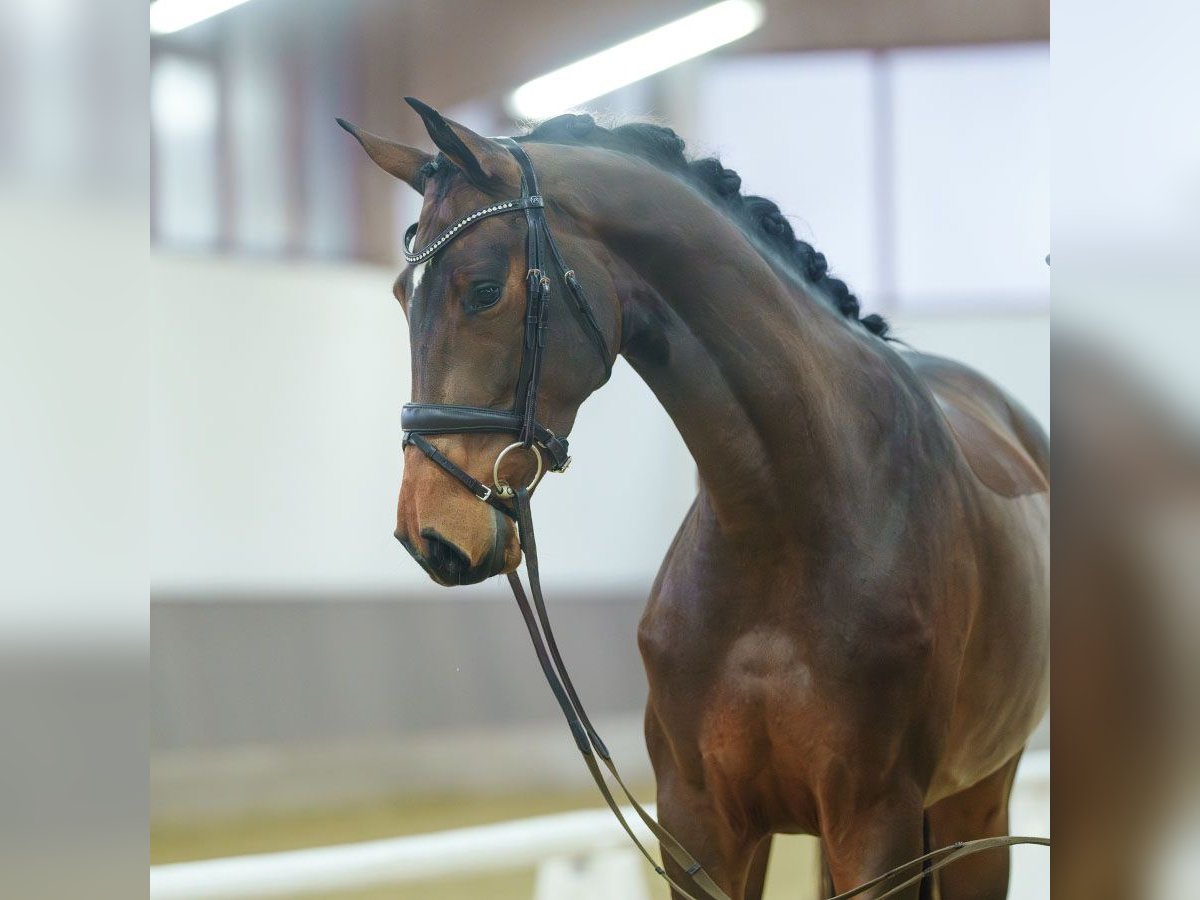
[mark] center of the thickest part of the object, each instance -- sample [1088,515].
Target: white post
[595,876]
[592,835]
[1029,813]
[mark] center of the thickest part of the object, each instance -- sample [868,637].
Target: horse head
[485,375]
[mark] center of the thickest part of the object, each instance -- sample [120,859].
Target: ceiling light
[636,59]
[167,16]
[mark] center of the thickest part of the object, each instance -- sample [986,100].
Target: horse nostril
[444,558]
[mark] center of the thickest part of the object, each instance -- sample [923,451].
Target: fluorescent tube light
[167,16]
[636,59]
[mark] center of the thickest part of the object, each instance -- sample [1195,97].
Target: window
[184,118]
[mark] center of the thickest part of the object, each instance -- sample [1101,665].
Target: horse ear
[406,163]
[485,163]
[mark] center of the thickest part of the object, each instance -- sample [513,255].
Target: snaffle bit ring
[502,487]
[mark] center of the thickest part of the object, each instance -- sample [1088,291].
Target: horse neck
[779,399]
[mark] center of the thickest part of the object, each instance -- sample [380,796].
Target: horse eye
[484,296]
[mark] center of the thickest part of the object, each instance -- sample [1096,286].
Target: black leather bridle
[420,419]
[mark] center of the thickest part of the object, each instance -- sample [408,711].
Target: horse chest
[761,706]
[741,712]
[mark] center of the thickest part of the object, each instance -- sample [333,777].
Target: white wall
[970,138]
[275,415]
[276,430]
[801,130]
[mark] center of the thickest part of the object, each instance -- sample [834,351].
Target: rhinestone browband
[470,219]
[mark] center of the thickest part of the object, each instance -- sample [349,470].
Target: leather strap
[537,295]
[947,855]
[455,228]
[444,418]
[586,739]
[472,484]
[538,225]
[581,309]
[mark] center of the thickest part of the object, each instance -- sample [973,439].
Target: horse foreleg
[978,812]
[726,856]
[756,879]
[864,841]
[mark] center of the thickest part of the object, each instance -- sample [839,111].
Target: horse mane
[757,216]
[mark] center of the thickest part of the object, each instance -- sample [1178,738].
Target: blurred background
[309,684]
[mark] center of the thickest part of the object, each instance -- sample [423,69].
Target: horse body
[849,635]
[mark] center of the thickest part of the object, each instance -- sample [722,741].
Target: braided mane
[757,216]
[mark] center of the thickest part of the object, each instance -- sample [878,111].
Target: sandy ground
[790,877]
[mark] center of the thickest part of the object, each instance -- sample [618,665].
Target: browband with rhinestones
[470,219]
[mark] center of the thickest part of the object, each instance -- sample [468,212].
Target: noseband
[420,419]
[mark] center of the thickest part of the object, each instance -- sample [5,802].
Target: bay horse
[849,635]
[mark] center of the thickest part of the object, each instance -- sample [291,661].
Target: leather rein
[550,452]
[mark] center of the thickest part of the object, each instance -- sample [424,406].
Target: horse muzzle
[491,550]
